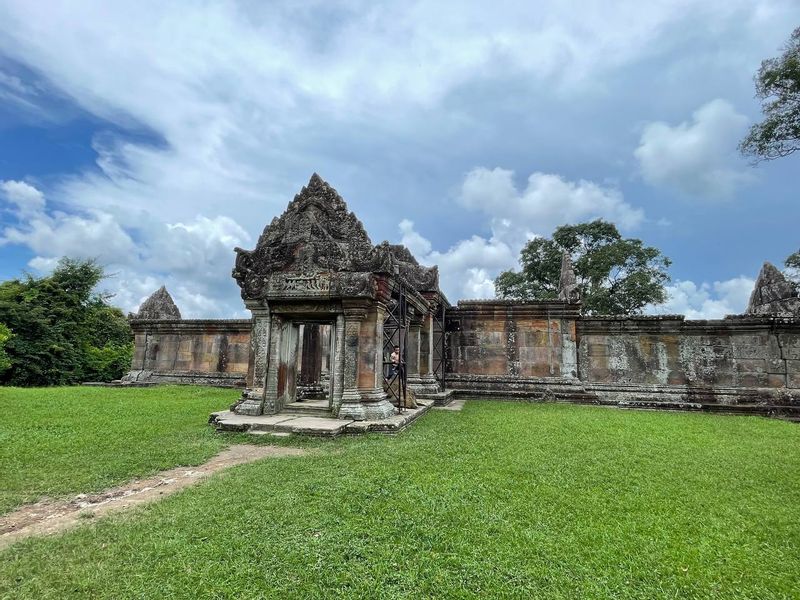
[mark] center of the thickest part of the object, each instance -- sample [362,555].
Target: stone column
[370,377]
[426,383]
[412,349]
[414,368]
[271,386]
[338,364]
[569,349]
[252,402]
[363,397]
[350,407]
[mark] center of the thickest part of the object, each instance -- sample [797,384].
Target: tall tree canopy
[5,335]
[778,88]
[616,275]
[62,332]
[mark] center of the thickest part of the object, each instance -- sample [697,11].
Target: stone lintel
[189,326]
[515,309]
[678,324]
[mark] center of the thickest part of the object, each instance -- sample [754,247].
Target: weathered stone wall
[510,346]
[706,357]
[540,350]
[212,352]
[546,350]
[500,337]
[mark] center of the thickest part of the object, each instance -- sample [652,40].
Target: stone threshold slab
[318,426]
[438,398]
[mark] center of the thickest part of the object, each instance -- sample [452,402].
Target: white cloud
[699,157]
[547,201]
[193,258]
[26,199]
[706,301]
[412,240]
[230,88]
[469,267]
[238,102]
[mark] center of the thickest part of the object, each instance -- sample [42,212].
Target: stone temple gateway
[328,308]
[320,294]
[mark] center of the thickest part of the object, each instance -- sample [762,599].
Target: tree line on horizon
[55,330]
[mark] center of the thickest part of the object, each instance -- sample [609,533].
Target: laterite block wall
[213,352]
[737,352]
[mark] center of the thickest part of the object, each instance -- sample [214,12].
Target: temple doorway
[307,365]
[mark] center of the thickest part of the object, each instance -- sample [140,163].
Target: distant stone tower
[159,305]
[773,295]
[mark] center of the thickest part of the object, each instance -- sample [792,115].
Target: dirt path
[48,517]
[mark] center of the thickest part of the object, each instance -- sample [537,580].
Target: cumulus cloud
[25,198]
[696,157]
[231,88]
[193,258]
[233,104]
[706,300]
[547,201]
[468,268]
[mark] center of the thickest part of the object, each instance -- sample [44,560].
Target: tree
[616,275]
[5,335]
[778,88]
[63,332]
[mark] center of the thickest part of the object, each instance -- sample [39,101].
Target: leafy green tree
[778,88]
[5,335]
[616,275]
[63,332]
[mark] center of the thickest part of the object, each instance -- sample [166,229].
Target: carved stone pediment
[318,248]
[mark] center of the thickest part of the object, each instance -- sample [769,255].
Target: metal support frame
[439,345]
[395,333]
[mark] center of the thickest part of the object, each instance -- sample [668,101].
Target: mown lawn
[499,500]
[56,442]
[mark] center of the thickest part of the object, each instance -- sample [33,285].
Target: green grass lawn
[57,442]
[499,500]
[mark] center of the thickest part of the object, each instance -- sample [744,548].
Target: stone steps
[309,425]
[308,410]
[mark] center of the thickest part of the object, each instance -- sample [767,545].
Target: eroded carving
[568,288]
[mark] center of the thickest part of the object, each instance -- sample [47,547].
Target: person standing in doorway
[394,358]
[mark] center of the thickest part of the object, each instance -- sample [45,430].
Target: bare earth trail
[47,517]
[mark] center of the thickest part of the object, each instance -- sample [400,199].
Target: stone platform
[287,423]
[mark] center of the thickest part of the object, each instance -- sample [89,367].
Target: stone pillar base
[376,405]
[370,405]
[350,408]
[423,384]
[250,404]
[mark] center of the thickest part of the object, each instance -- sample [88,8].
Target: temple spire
[773,295]
[159,305]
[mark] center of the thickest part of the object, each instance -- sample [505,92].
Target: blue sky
[156,136]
